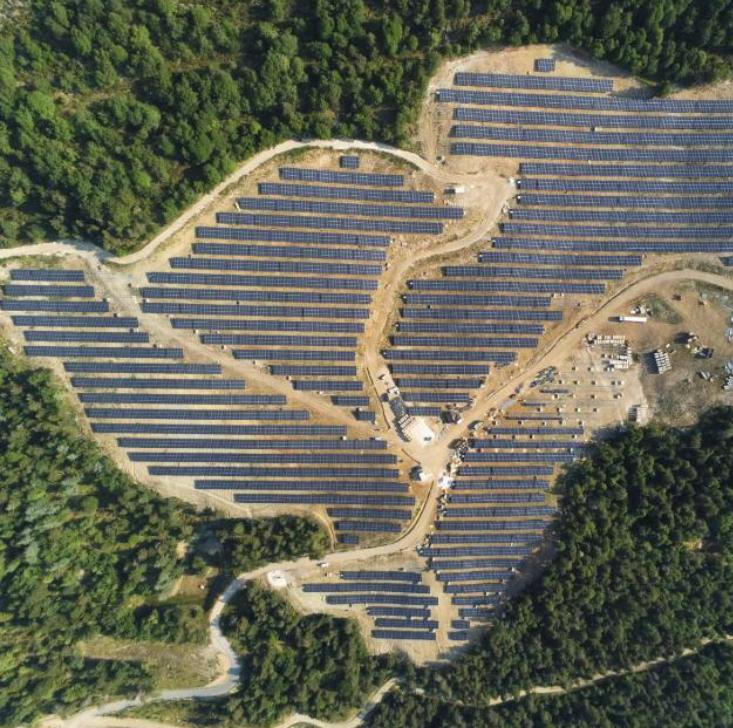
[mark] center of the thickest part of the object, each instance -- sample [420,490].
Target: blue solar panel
[467,538]
[622,216]
[368,526]
[410,576]
[571,136]
[423,411]
[453,300]
[188,443]
[651,246]
[474,575]
[590,103]
[99,352]
[152,368]
[212,279]
[19,289]
[402,599]
[406,623]
[349,161]
[612,154]
[609,121]
[46,274]
[444,383]
[332,223]
[501,357]
[101,337]
[656,186]
[245,458]
[493,497]
[439,369]
[366,586]
[432,212]
[177,428]
[477,271]
[272,251]
[348,538]
[524,525]
[328,498]
[266,340]
[555,83]
[343,193]
[398,612]
[267,325]
[289,236]
[396,634]
[338,486]
[293,355]
[276,266]
[530,444]
[326,385]
[494,256]
[489,341]
[541,65]
[55,306]
[518,457]
[253,295]
[651,171]
[194,414]
[612,231]
[616,201]
[227,309]
[131,383]
[476,470]
[482,313]
[315,370]
[348,178]
[501,484]
[522,286]
[98,322]
[161,398]
[451,326]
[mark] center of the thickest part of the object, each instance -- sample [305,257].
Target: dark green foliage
[642,569]
[114,115]
[84,551]
[236,546]
[316,665]
[690,692]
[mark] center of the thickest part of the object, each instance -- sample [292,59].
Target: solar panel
[97,322]
[273,251]
[266,340]
[101,337]
[266,325]
[618,201]
[410,576]
[365,586]
[406,623]
[254,295]
[160,398]
[19,289]
[131,383]
[338,486]
[398,612]
[349,178]
[289,236]
[396,634]
[293,355]
[225,309]
[100,352]
[402,599]
[334,223]
[343,193]
[433,212]
[451,326]
[556,83]
[349,161]
[177,428]
[327,498]
[276,266]
[256,444]
[46,274]
[326,385]
[541,65]
[467,342]
[151,368]
[213,279]
[651,171]
[55,306]
[494,256]
[368,526]
[193,414]
[453,300]
[525,286]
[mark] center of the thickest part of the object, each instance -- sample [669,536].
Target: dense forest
[114,115]
[643,569]
[690,692]
[86,551]
[315,665]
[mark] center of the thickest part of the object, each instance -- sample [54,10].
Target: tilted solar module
[504,285]
[327,385]
[332,223]
[368,526]
[266,340]
[554,83]
[478,271]
[101,352]
[481,313]
[97,322]
[618,201]
[458,300]
[213,279]
[255,295]
[648,171]
[162,398]
[100,337]
[348,178]
[410,576]
[311,486]
[100,367]
[494,256]
[194,414]
[211,232]
[644,186]
[46,274]
[343,193]
[259,265]
[293,355]
[327,498]
[228,309]
[132,383]
[275,251]
[21,289]
[177,428]
[452,326]
[396,634]
[55,306]
[366,586]
[267,325]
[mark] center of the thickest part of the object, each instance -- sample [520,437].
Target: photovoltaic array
[185,420]
[286,281]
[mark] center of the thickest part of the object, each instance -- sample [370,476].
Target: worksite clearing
[412,349]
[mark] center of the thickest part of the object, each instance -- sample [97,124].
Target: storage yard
[413,355]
